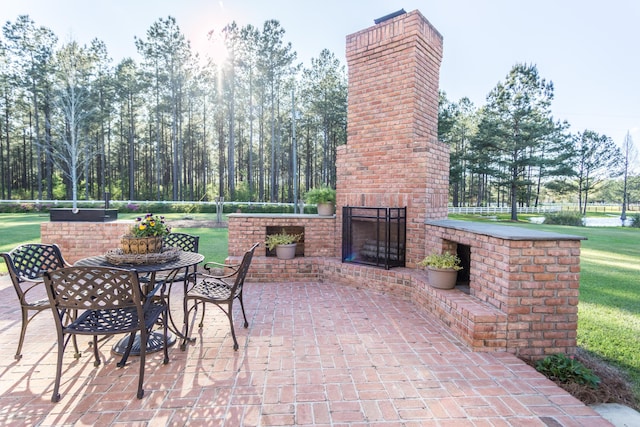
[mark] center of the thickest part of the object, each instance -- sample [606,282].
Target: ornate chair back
[102,301]
[26,265]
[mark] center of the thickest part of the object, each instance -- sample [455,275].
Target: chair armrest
[211,265]
[211,278]
[39,279]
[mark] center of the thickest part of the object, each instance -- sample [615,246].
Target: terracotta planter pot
[325,209]
[286,251]
[442,278]
[141,245]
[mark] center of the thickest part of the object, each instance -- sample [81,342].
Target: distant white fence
[487,210]
[471,210]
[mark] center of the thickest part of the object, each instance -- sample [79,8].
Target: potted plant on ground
[146,235]
[442,269]
[284,244]
[323,197]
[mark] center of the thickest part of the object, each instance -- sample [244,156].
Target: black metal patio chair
[108,301]
[26,265]
[220,290]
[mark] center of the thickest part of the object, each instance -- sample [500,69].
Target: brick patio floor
[314,354]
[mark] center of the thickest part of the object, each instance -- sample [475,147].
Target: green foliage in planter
[445,260]
[564,218]
[283,238]
[559,367]
[322,194]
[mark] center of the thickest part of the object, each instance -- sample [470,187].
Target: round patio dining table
[185,260]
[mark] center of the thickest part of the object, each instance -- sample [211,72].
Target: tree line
[256,125]
[173,126]
[512,152]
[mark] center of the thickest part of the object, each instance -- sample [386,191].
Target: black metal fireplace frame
[390,225]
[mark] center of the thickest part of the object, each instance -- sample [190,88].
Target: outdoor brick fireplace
[393,158]
[521,287]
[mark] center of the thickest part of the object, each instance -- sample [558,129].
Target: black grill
[374,236]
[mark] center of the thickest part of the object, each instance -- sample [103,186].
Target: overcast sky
[588,49]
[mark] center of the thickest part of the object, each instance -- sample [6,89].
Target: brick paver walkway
[314,354]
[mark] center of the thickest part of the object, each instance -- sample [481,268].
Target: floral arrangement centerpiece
[150,225]
[146,235]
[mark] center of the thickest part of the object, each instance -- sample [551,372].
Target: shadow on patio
[314,354]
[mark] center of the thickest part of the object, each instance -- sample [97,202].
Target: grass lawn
[609,309]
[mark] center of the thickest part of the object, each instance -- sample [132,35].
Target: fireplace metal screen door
[374,236]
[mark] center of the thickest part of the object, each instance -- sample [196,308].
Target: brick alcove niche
[289,229]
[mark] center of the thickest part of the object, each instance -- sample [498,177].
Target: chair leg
[233,332]
[23,332]
[55,397]
[125,356]
[164,340]
[72,316]
[77,354]
[204,305]
[143,354]
[246,323]
[96,355]
[186,315]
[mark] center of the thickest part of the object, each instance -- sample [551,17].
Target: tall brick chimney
[392,157]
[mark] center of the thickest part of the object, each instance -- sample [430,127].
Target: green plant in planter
[442,261]
[323,194]
[283,238]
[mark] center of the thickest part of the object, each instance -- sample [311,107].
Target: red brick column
[392,157]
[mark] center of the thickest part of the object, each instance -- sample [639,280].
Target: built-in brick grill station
[393,172]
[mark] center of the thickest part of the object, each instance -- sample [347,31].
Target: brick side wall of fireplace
[532,277]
